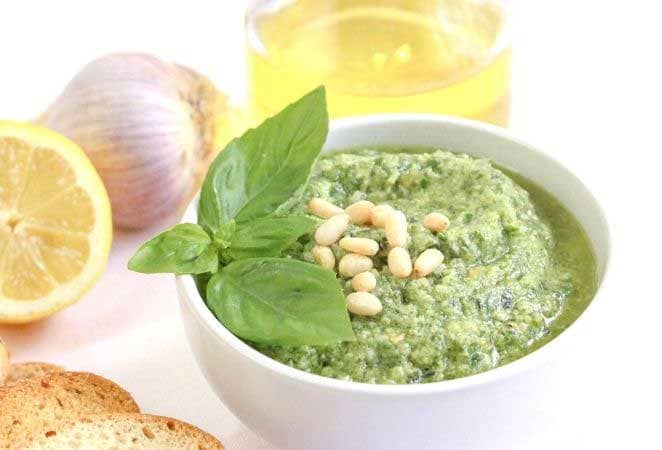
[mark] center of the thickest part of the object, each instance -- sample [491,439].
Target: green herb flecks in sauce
[519,269]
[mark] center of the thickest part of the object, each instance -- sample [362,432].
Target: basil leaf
[280,301]
[224,233]
[201,281]
[185,248]
[267,166]
[268,236]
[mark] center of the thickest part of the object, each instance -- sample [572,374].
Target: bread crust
[30,405]
[26,370]
[127,431]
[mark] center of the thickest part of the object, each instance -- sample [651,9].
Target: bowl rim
[188,290]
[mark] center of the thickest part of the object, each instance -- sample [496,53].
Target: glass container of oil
[429,56]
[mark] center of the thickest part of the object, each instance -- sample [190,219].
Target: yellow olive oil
[429,56]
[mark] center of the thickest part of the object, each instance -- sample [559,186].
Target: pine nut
[427,262]
[360,211]
[395,228]
[399,262]
[331,230]
[322,208]
[362,246]
[363,304]
[324,257]
[364,282]
[379,215]
[352,264]
[436,222]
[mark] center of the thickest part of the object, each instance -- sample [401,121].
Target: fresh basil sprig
[244,226]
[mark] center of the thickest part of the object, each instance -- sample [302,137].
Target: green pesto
[519,268]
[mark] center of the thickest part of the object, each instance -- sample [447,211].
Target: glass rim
[501,43]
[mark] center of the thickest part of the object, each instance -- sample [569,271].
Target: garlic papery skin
[149,128]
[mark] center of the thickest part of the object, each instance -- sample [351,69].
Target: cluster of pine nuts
[356,264]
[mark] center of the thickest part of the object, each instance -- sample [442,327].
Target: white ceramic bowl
[496,409]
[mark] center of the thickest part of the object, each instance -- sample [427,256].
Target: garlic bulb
[149,128]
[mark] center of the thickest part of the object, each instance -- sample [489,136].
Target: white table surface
[585,87]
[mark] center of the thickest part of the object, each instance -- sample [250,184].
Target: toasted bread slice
[31,405]
[22,371]
[4,362]
[124,432]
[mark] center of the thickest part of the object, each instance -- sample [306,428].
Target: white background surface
[586,87]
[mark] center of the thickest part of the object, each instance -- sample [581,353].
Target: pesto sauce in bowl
[519,268]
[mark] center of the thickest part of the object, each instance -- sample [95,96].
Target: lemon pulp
[55,225]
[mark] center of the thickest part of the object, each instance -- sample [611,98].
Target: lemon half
[55,223]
